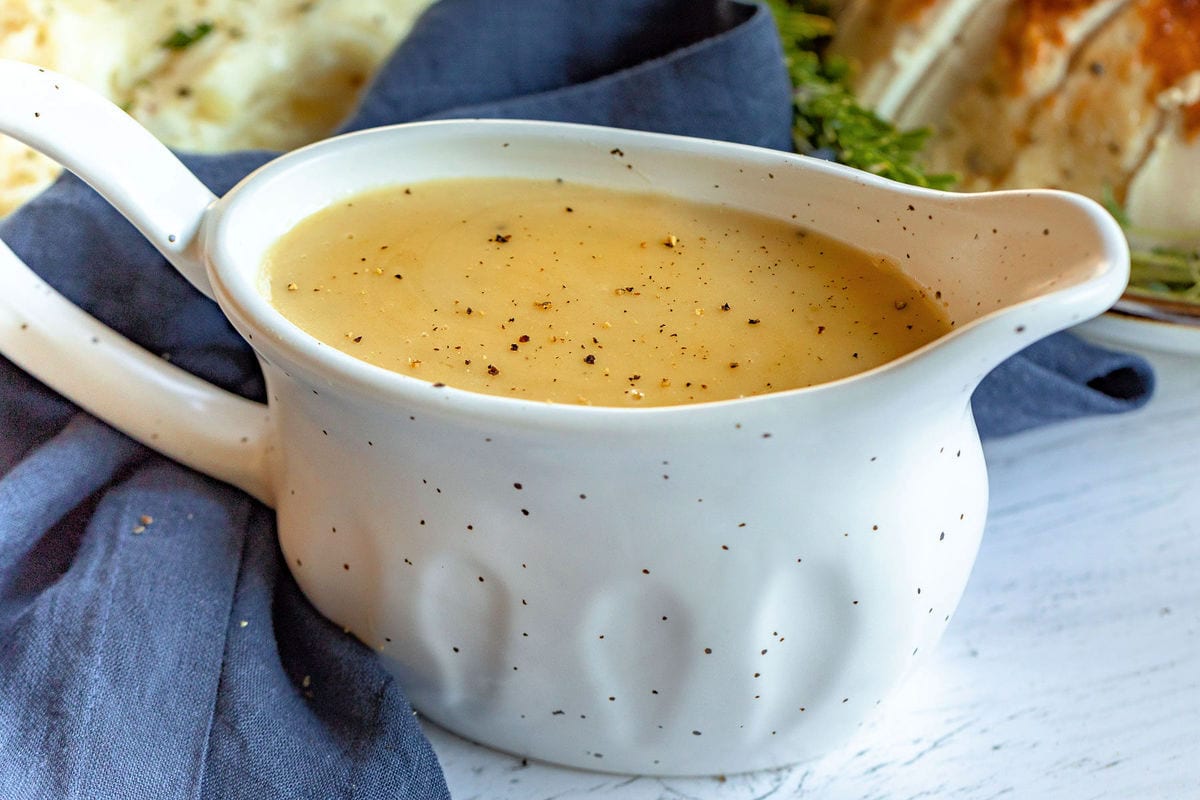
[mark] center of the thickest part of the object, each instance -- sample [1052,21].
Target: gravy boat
[694,589]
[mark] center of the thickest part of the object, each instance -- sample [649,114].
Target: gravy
[568,293]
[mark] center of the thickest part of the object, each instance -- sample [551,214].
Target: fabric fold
[1059,378]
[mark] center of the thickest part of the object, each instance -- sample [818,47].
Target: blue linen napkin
[151,642]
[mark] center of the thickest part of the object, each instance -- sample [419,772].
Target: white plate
[1119,329]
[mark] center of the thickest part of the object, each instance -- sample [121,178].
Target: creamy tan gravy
[569,293]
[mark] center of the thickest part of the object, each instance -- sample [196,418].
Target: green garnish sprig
[828,118]
[1161,263]
[182,39]
[1162,270]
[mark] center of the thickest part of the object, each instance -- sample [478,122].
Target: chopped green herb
[1166,271]
[827,116]
[182,39]
[1161,263]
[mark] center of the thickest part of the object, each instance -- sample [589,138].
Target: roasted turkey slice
[1098,129]
[894,43]
[1011,58]
[1095,96]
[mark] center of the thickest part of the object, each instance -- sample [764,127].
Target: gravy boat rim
[251,312]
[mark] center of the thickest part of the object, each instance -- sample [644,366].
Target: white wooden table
[1071,670]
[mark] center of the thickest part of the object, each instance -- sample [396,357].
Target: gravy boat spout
[1009,268]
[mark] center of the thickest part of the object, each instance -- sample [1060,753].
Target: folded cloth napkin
[151,644]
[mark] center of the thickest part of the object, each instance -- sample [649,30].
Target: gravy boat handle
[160,405]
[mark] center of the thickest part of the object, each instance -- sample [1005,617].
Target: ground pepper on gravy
[568,293]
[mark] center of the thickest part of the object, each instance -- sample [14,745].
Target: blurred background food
[1100,97]
[1074,94]
[204,75]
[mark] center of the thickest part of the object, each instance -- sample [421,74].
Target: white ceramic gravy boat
[695,589]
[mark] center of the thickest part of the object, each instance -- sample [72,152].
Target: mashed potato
[204,75]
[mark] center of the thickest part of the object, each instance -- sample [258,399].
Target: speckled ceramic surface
[685,590]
